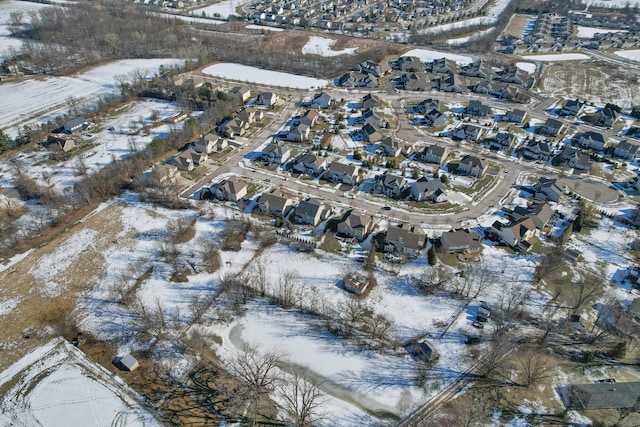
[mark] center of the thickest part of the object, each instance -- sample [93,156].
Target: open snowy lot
[557,57]
[322,46]
[613,4]
[526,66]
[58,385]
[117,138]
[427,55]
[634,55]
[250,74]
[8,7]
[222,9]
[29,98]
[589,32]
[492,16]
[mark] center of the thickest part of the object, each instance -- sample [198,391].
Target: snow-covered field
[526,66]
[612,4]
[6,9]
[246,73]
[264,27]
[492,16]
[462,40]
[557,57]
[25,100]
[634,55]
[427,55]
[589,32]
[322,46]
[220,10]
[58,385]
[107,144]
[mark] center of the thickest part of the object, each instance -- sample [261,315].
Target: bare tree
[580,293]
[257,276]
[550,262]
[435,278]
[510,308]
[532,367]
[301,397]
[259,372]
[285,291]
[210,255]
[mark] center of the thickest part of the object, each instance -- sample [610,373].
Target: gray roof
[355,220]
[343,168]
[604,395]
[309,207]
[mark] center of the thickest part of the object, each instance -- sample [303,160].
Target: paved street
[510,168]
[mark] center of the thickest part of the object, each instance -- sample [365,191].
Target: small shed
[126,363]
[425,351]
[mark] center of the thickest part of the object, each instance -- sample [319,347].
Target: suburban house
[460,241]
[340,172]
[371,101]
[540,213]
[515,234]
[620,396]
[378,69]
[467,132]
[210,143]
[450,83]
[426,105]
[477,109]
[74,125]
[433,118]
[571,158]
[275,204]
[418,81]
[230,189]
[516,116]
[309,118]
[547,189]
[571,108]
[267,99]
[370,117]
[275,153]
[356,283]
[298,133]
[322,100]
[390,147]
[163,174]
[444,66]
[604,118]
[390,185]
[537,150]
[478,69]
[593,140]
[405,239]
[410,63]
[250,115]
[551,127]
[433,154]
[234,127]
[513,75]
[310,164]
[310,212]
[188,159]
[502,141]
[627,150]
[371,133]
[472,166]
[242,92]
[357,79]
[428,190]
[60,142]
[355,225]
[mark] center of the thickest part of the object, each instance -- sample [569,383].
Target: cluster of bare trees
[262,374]
[466,284]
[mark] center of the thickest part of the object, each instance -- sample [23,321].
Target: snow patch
[260,76]
[322,46]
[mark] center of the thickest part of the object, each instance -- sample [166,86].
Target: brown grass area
[592,81]
[47,301]
[517,24]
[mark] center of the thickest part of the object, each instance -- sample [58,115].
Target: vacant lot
[518,24]
[594,82]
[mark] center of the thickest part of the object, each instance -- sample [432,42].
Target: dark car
[387,208]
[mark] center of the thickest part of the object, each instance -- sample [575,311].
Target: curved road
[510,168]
